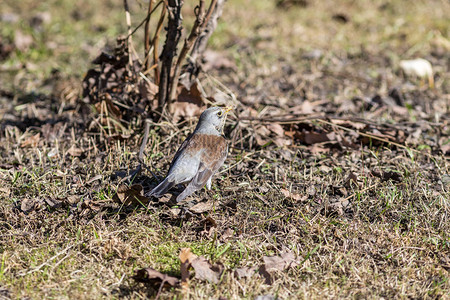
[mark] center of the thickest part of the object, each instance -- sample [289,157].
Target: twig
[155,43]
[370,136]
[170,47]
[199,25]
[147,35]
[200,44]
[129,37]
[143,21]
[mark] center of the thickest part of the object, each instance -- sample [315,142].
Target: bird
[199,157]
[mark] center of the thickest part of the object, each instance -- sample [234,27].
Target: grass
[63,236]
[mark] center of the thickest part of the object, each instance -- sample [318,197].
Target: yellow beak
[228,108]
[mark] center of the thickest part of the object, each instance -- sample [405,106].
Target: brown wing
[214,155]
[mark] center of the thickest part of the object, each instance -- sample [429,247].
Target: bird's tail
[161,188]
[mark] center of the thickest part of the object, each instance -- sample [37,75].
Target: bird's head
[212,120]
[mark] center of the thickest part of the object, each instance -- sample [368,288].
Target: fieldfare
[199,157]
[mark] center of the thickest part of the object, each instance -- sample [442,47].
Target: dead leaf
[276,128]
[28,204]
[206,271]
[74,151]
[186,258]
[5,192]
[202,207]
[132,195]
[293,196]
[203,269]
[189,103]
[156,278]
[351,179]
[318,149]
[284,261]
[245,272]
[226,235]
[32,141]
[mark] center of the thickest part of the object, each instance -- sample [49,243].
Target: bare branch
[200,44]
[155,43]
[174,27]
[199,26]
[147,36]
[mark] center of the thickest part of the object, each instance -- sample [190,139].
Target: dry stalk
[155,43]
[174,27]
[129,37]
[200,44]
[147,35]
[199,25]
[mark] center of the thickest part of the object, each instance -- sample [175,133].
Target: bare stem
[147,35]
[130,39]
[155,43]
[170,47]
[199,25]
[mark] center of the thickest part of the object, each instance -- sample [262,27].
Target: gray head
[212,120]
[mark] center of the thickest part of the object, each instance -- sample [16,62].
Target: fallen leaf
[74,151]
[32,141]
[203,269]
[293,196]
[202,207]
[351,179]
[186,257]
[245,272]
[206,271]
[318,149]
[156,278]
[132,195]
[189,103]
[284,261]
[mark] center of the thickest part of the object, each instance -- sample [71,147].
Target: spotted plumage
[199,157]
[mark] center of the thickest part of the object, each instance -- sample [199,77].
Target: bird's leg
[208,183]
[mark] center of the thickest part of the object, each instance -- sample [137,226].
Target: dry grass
[62,235]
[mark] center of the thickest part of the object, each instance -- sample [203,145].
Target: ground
[336,184]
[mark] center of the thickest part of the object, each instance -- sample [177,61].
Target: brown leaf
[203,269]
[32,141]
[202,207]
[5,191]
[132,195]
[284,261]
[156,278]
[318,149]
[206,271]
[148,90]
[293,196]
[186,257]
[351,179]
[74,151]
[189,103]
[315,137]
[276,128]
[245,272]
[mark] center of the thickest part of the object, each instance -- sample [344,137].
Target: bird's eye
[219,113]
